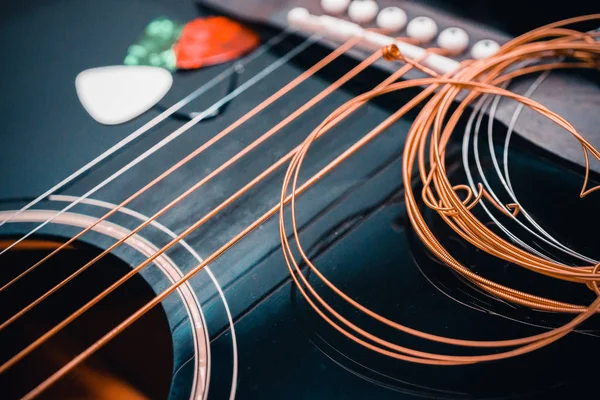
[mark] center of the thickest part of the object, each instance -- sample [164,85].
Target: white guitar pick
[116,94]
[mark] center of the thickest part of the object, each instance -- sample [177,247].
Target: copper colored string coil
[425,150]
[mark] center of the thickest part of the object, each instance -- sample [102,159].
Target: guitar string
[363,65]
[559,268]
[480,87]
[178,132]
[211,258]
[481,108]
[156,120]
[476,118]
[184,128]
[284,90]
[505,180]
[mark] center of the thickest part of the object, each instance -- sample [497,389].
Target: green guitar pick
[155,46]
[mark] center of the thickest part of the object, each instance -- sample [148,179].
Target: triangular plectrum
[116,94]
[213,40]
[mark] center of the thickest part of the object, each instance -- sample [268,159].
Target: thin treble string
[184,234]
[153,122]
[480,108]
[242,88]
[291,85]
[542,235]
[160,297]
[506,179]
[494,103]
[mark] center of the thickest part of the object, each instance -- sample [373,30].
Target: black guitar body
[240,326]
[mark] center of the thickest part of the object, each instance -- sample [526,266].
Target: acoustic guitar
[144,260]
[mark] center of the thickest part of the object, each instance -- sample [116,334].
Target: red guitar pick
[214,40]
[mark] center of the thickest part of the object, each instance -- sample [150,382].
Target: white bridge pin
[363,11]
[455,40]
[335,7]
[116,94]
[423,29]
[392,18]
[484,49]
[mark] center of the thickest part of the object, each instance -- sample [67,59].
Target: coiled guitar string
[480,77]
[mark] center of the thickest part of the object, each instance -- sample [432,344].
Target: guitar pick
[117,94]
[155,45]
[209,41]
